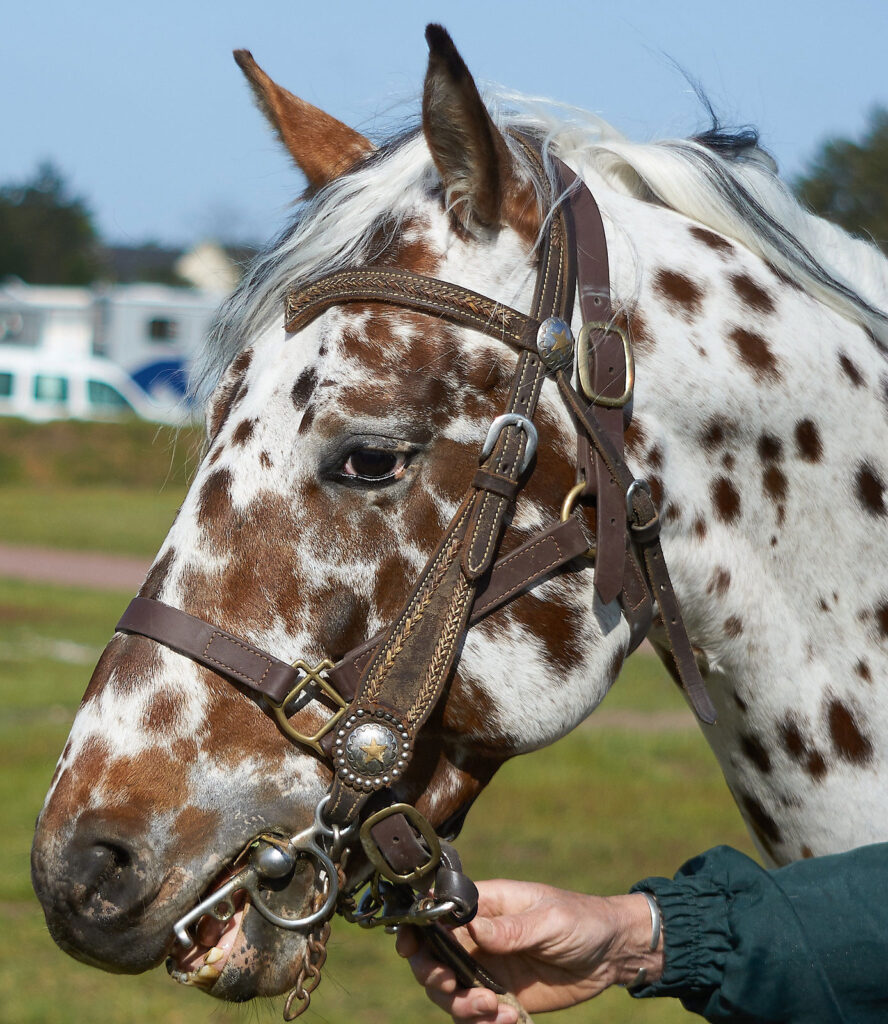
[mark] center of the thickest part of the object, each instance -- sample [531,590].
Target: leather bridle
[385,689]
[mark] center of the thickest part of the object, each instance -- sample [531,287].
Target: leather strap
[236,658]
[545,553]
[408,672]
[644,531]
[215,648]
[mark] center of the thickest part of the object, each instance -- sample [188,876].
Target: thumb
[505,934]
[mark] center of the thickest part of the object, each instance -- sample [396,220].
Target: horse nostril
[102,871]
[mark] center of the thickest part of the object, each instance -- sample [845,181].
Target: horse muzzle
[100,886]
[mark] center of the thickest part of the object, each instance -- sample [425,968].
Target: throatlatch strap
[644,532]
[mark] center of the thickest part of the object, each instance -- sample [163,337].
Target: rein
[384,690]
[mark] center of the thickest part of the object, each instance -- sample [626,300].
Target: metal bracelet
[656,920]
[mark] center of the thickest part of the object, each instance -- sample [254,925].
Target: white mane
[740,197]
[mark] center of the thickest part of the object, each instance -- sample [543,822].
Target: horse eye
[375,465]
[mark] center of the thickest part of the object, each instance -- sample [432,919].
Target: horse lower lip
[204,962]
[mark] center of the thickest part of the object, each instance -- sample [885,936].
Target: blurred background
[136,182]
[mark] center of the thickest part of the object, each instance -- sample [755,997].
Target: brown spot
[799,748]
[770,448]
[808,443]
[163,712]
[824,607]
[307,420]
[679,291]
[719,582]
[755,751]
[304,387]
[863,670]
[850,370]
[850,743]
[753,350]
[728,461]
[672,512]
[807,853]
[881,614]
[636,324]
[716,433]
[775,483]
[816,765]
[699,527]
[243,431]
[265,460]
[193,825]
[655,457]
[215,497]
[726,499]
[793,739]
[656,485]
[228,394]
[870,489]
[752,294]
[734,626]
[157,575]
[763,824]
[636,437]
[714,241]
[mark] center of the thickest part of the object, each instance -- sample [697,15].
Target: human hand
[550,947]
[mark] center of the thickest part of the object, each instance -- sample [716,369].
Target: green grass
[113,520]
[595,812]
[68,453]
[112,487]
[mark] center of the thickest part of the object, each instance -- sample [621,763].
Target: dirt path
[73,568]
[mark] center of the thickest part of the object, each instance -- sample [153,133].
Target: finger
[510,933]
[477,1005]
[432,973]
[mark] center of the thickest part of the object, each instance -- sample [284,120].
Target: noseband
[382,692]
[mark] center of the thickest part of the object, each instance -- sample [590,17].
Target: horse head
[337,454]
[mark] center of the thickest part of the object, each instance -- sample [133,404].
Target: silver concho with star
[371,748]
[555,343]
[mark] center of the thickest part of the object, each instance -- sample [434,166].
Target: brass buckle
[583,364]
[376,856]
[312,675]
[567,507]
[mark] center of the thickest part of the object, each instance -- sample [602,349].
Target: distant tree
[847,181]
[46,234]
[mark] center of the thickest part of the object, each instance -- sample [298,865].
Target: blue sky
[143,108]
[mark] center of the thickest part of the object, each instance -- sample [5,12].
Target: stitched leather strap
[223,652]
[236,658]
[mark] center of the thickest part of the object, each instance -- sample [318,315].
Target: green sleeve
[807,942]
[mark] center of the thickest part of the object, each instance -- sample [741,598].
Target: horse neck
[759,419]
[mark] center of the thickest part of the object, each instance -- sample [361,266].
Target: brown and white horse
[336,457]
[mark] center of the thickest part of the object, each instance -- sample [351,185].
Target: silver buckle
[512,419]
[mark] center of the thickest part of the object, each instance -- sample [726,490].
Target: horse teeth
[207,973]
[214,954]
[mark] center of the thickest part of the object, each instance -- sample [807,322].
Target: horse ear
[322,147]
[470,153]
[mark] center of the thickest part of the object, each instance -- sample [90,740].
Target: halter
[383,691]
